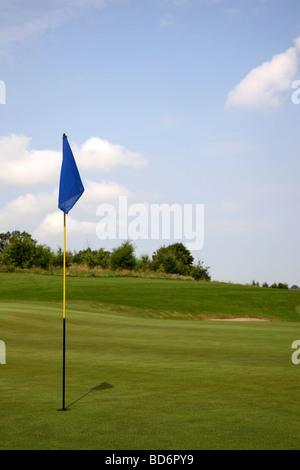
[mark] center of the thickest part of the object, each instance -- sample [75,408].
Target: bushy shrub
[123,256]
[58,258]
[143,263]
[280,285]
[20,250]
[199,272]
[43,256]
[169,262]
[177,259]
[174,259]
[92,258]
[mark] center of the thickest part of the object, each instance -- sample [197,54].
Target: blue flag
[70,186]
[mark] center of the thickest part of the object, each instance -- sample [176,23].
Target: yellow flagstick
[64,318]
[64,294]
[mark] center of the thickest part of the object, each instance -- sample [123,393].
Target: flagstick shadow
[102,386]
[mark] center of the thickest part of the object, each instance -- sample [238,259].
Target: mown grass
[139,374]
[157,297]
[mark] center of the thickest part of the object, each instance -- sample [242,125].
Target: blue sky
[165,101]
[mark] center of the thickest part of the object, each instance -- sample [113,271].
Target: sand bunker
[239,319]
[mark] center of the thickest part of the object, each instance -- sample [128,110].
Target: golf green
[138,377]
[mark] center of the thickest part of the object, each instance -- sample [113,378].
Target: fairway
[141,376]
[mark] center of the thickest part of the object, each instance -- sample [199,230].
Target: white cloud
[100,193]
[19,23]
[29,207]
[39,215]
[21,166]
[51,227]
[104,192]
[29,204]
[262,87]
[25,211]
[98,154]
[109,192]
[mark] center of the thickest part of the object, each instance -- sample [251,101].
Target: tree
[175,251]
[177,259]
[123,256]
[58,258]
[4,240]
[282,285]
[143,262]
[92,258]
[199,272]
[102,258]
[181,253]
[169,263]
[174,258]
[43,256]
[20,251]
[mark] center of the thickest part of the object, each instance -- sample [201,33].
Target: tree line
[19,249]
[275,285]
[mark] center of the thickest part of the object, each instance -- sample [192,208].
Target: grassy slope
[156,297]
[171,384]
